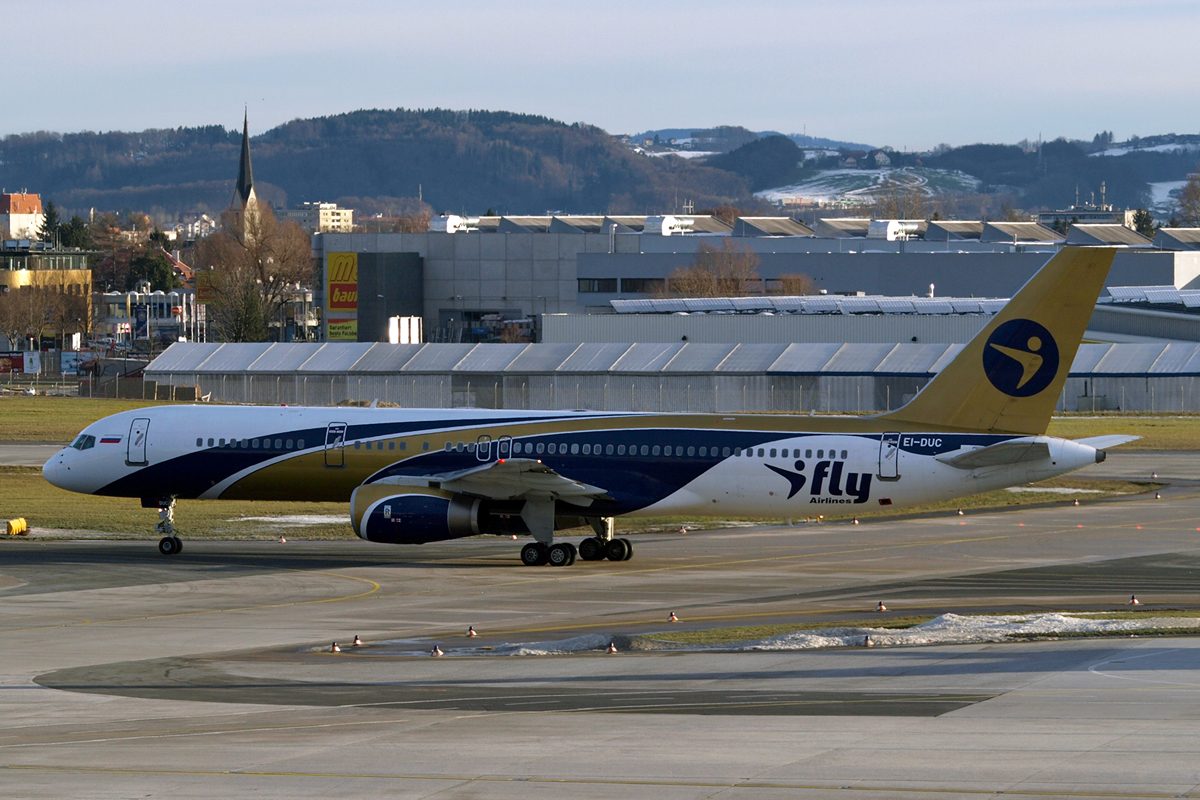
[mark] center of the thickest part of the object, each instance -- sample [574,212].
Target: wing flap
[508,479]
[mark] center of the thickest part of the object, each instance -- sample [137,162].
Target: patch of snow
[1158,148]
[683,153]
[1160,193]
[1048,490]
[297,520]
[578,644]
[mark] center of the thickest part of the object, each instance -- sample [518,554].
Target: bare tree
[900,201]
[796,284]
[727,271]
[414,223]
[1189,200]
[257,262]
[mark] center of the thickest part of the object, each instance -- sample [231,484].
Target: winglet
[1008,378]
[1105,442]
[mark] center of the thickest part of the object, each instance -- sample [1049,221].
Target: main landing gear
[595,548]
[170,544]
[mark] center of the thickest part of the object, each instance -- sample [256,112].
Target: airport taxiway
[124,672]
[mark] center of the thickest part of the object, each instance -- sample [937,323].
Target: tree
[154,267]
[795,284]
[256,265]
[727,271]
[1143,223]
[1189,201]
[50,222]
[74,233]
[899,200]
[727,214]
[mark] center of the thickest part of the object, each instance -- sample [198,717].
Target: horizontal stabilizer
[1105,442]
[1000,454]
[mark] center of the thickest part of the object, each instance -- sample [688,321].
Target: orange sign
[343,281]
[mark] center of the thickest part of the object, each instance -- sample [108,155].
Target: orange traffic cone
[612,647]
[868,642]
[1133,601]
[881,606]
[471,631]
[357,641]
[334,648]
[672,618]
[437,651]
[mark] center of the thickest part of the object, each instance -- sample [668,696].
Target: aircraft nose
[53,470]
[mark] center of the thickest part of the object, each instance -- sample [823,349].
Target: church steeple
[243,193]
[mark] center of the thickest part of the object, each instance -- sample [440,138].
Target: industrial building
[795,378]
[464,271]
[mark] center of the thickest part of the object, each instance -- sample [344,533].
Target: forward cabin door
[335,444]
[135,454]
[889,457]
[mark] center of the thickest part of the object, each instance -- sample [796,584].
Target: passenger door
[889,457]
[335,444]
[135,453]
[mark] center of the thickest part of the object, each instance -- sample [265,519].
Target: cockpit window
[84,442]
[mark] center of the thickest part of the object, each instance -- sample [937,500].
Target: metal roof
[770,226]
[917,359]
[1105,234]
[1178,238]
[811,304]
[1018,232]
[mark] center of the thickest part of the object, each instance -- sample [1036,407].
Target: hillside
[462,161]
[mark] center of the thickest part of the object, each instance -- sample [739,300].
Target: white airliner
[420,475]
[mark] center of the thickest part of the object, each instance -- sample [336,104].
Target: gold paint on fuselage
[305,477]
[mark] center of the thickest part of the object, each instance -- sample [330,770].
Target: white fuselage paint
[737,485]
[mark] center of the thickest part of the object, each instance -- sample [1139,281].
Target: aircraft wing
[507,479]
[999,454]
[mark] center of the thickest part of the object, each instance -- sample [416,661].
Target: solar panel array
[1159,295]
[811,304]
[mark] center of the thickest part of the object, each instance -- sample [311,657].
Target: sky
[908,75]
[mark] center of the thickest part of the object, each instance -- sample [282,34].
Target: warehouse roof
[1110,234]
[1177,239]
[1018,232]
[811,304]
[916,360]
[770,226]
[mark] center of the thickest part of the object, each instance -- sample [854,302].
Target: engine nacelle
[412,514]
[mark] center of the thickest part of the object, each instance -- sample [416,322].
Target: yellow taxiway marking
[832,786]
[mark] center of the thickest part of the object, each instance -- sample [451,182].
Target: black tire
[533,554]
[628,549]
[166,545]
[559,555]
[178,545]
[617,550]
[574,552]
[591,549]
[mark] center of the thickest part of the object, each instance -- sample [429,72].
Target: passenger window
[254,444]
[279,444]
[760,452]
[424,446]
[300,444]
[845,454]
[470,447]
[404,445]
[596,449]
[608,450]
[289,444]
[620,449]
[772,452]
[703,452]
[358,445]
[645,450]
[737,451]
[587,449]
[552,448]
[391,445]
[808,453]
[820,454]
[222,442]
[656,450]
[691,451]
[574,449]
[460,447]
[199,443]
[541,448]
[449,447]
[725,452]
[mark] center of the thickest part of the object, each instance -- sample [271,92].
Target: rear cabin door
[889,456]
[335,444]
[135,454]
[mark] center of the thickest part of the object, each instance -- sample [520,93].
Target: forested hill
[461,160]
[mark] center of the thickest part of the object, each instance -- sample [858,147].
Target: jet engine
[412,515]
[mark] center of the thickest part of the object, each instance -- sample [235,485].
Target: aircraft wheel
[591,549]
[628,549]
[617,550]
[560,555]
[574,552]
[178,545]
[169,545]
[533,554]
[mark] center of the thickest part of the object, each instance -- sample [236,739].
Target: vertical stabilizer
[1008,379]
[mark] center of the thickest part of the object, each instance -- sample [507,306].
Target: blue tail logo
[1020,358]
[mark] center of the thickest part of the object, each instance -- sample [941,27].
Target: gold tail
[1008,378]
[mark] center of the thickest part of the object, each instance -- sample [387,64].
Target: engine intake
[412,515]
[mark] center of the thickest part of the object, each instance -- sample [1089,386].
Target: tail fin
[1008,378]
